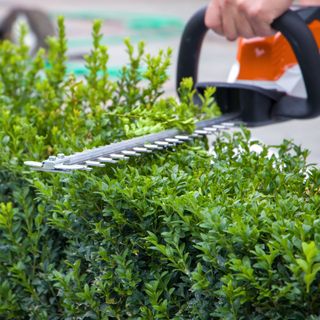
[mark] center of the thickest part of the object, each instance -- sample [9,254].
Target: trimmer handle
[293,25]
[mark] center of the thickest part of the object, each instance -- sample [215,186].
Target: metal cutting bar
[114,152]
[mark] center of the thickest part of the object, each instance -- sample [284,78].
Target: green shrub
[177,235]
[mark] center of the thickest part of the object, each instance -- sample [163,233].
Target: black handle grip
[190,47]
[296,31]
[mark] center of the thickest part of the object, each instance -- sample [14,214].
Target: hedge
[184,234]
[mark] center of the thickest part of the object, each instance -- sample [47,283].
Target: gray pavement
[216,59]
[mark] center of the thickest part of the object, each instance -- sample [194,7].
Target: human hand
[244,18]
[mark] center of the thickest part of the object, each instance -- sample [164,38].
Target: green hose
[133,21]
[143,26]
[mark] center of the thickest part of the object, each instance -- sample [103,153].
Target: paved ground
[216,58]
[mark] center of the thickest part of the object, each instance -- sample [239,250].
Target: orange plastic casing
[267,59]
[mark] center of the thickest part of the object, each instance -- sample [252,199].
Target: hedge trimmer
[275,79]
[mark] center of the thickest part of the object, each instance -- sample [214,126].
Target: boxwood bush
[185,234]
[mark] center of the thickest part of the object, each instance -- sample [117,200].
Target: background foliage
[178,235]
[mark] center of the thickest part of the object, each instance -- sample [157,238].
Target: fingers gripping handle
[296,31]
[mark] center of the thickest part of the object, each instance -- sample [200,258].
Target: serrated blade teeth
[162,143]
[71,167]
[33,164]
[183,138]
[219,127]
[141,149]
[201,132]
[152,147]
[123,150]
[172,140]
[228,124]
[91,163]
[117,156]
[107,160]
[83,168]
[211,129]
[195,135]
[130,153]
